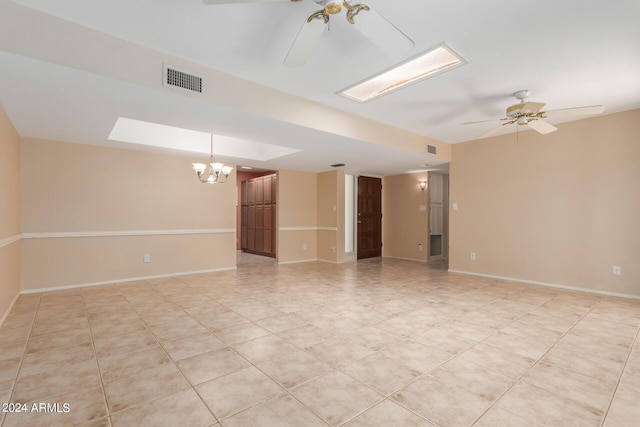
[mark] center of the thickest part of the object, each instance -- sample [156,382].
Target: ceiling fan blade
[541,126]
[494,130]
[567,112]
[382,32]
[481,121]
[242,1]
[304,43]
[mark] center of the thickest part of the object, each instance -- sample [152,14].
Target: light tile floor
[377,343]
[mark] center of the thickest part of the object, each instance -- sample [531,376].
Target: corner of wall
[10,246]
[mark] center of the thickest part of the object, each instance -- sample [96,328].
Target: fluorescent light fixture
[428,64]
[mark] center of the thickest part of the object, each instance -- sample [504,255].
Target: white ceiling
[568,53]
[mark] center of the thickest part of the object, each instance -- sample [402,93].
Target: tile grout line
[426,374]
[388,396]
[519,379]
[95,354]
[624,367]
[148,328]
[227,345]
[230,346]
[22,357]
[286,390]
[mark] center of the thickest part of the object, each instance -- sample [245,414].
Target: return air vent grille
[431,149]
[182,80]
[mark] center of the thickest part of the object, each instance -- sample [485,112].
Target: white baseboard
[549,285]
[129,279]
[297,262]
[6,314]
[329,261]
[406,259]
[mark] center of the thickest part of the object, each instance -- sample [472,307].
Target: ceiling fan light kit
[528,114]
[375,27]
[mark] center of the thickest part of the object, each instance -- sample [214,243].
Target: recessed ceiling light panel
[435,61]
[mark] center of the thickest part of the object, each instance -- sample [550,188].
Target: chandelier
[213,172]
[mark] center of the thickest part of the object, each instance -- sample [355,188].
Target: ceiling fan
[373,25]
[527,113]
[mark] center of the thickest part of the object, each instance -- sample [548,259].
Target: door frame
[444,255]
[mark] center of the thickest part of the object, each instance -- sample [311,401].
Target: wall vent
[431,149]
[173,77]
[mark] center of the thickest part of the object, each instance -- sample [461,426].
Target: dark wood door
[369,217]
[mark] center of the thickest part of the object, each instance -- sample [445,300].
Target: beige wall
[297,216]
[153,202]
[558,209]
[404,225]
[331,216]
[9,214]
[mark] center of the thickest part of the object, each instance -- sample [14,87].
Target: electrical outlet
[617,271]
[304,246]
[420,247]
[472,256]
[146,258]
[332,248]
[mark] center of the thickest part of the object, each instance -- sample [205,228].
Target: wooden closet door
[251,228]
[259,228]
[251,192]
[267,189]
[244,220]
[268,230]
[259,190]
[243,193]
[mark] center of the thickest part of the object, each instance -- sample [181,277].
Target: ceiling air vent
[173,77]
[431,149]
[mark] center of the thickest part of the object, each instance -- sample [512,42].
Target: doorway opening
[438,217]
[257,196]
[350,224]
